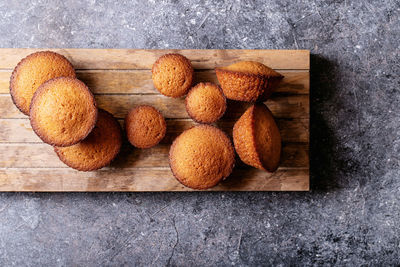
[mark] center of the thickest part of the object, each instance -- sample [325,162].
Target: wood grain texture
[139,81]
[123,59]
[145,179]
[120,80]
[41,155]
[292,130]
[288,107]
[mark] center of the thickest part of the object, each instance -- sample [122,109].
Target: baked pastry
[205,103]
[201,157]
[172,75]
[248,81]
[98,149]
[33,71]
[257,139]
[63,111]
[145,126]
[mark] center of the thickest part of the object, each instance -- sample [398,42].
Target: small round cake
[98,149]
[201,157]
[248,81]
[33,71]
[172,75]
[257,139]
[145,126]
[205,103]
[63,111]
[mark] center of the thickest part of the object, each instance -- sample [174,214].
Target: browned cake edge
[182,58]
[36,128]
[193,116]
[263,93]
[252,157]
[104,163]
[228,142]
[265,109]
[12,77]
[134,110]
[243,133]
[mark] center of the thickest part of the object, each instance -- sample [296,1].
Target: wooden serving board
[120,80]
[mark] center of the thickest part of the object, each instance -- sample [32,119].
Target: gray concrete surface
[352,215]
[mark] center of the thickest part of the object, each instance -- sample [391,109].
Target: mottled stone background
[350,217]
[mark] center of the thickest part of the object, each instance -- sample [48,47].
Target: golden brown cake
[172,75]
[98,149]
[145,126]
[33,71]
[63,111]
[201,157]
[257,139]
[205,103]
[248,81]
